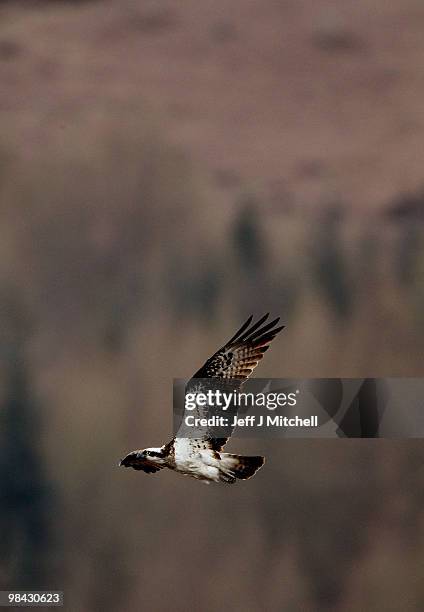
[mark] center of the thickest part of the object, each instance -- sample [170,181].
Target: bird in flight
[202,457]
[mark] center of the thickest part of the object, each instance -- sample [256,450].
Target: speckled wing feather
[237,359]
[234,363]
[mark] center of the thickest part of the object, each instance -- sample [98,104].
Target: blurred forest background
[166,169]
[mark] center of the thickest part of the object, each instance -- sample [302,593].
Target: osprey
[202,457]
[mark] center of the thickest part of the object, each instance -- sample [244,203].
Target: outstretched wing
[235,362]
[237,359]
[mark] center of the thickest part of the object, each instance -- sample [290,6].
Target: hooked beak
[129,460]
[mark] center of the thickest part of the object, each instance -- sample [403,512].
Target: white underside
[202,465]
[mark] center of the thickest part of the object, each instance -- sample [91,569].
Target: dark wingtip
[263,332]
[241,330]
[250,330]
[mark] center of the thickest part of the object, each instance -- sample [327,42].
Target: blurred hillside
[165,170]
[298,100]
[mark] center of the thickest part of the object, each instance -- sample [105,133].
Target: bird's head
[150,459]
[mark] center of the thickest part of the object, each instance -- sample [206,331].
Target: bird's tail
[237,466]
